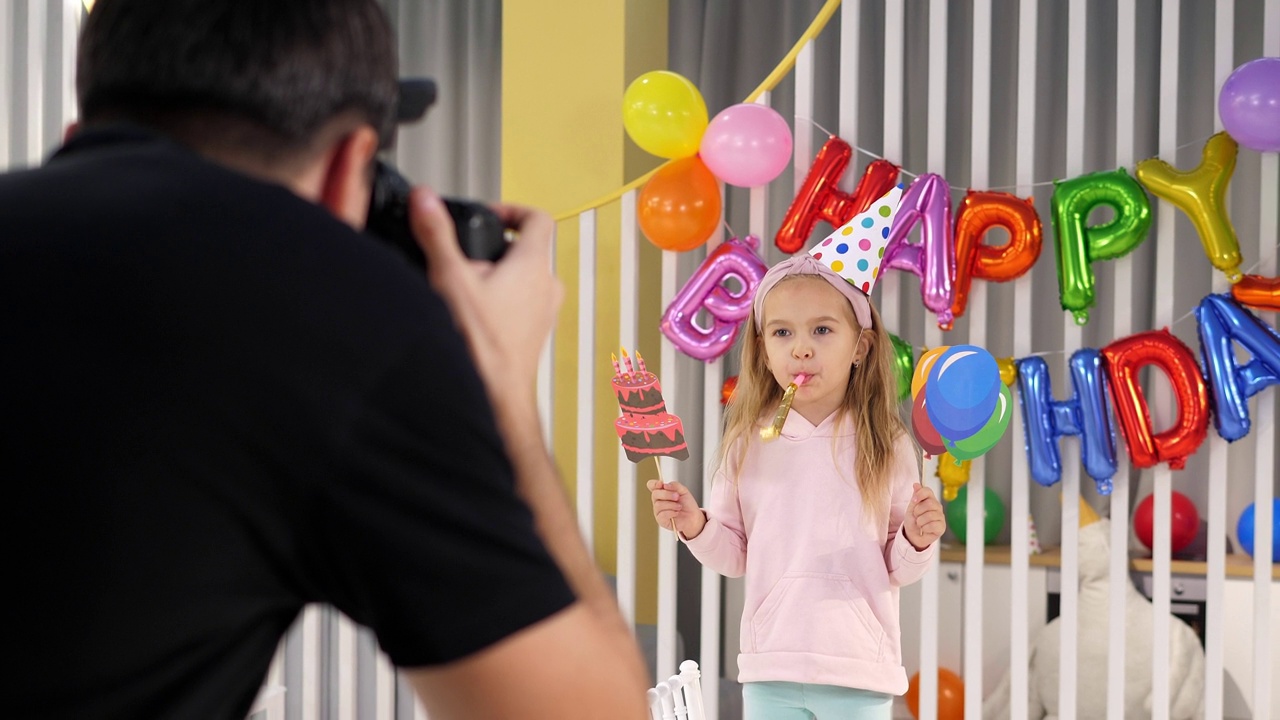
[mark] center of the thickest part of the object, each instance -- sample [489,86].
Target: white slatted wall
[333,669]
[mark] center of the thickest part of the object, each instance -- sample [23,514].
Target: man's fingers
[433,230]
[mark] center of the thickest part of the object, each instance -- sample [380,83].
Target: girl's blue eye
[780,332]
[822,330]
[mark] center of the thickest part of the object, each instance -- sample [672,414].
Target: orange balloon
[679,207]
[950,695]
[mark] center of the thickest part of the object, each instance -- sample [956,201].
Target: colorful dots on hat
[868,222]
[885,211]
[866,288]
[817,256]
[883,233]
[847,231]
[860,243]
[864,245]
[837,265]
[863,265]
[881,255]
[842,248]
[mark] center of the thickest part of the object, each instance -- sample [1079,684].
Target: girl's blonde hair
[871,400]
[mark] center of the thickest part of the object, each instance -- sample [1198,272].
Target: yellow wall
[565,65]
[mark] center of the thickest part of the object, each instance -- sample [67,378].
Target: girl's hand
[674,501]
[925,521]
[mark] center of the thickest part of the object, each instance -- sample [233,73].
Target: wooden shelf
[1238,565]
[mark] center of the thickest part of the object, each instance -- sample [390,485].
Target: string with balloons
[746,145]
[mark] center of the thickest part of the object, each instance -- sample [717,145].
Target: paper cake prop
[645,428]
[855,250]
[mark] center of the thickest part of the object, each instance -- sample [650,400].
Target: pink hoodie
[822,581]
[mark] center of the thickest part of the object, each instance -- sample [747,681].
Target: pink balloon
[734,258]
[746,145]
[927,203]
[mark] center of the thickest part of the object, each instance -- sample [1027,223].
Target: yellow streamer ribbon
[769,83]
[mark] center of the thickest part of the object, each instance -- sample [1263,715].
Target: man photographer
[222,401]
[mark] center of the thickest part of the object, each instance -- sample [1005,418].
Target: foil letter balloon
[927,203]
[1079,244]
[820,199]
[1258,292]
[980,212]
[1125,357]
[1046,421]
[1201,194]
[1222,324]
[734,259]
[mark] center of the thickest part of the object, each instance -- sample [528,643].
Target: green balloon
[904,364]
[957,512]
[988,435]
[1080,244]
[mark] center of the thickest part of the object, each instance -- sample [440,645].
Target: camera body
[480,231]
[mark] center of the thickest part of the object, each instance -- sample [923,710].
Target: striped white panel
[802,147]
[980,142]
[303,699]
[346,671]
[1166,269]
[30,41]
[709,619]
[667,660]
[384,684]
[1072,340]
[546,375]
[1219,465]
[1265,452]
[850,89]
[72,18]
[586,376]
[7,89]
[1020,493]
[1122,326]
[628,320]
[894,116]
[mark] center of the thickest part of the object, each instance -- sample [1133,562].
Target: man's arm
[506,311]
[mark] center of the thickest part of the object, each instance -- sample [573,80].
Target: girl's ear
[862,348]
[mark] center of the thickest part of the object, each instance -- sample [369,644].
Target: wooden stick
[657,461]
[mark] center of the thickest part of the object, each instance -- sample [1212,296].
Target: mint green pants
[803,701]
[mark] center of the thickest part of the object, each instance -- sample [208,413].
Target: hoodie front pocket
[817,613]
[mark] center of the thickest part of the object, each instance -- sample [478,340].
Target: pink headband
[806,264]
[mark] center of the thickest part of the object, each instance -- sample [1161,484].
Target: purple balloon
[927,203]
[735,258]
[1249,104]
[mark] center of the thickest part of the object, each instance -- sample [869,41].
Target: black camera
[480,231]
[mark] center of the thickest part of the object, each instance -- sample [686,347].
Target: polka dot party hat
[855,250]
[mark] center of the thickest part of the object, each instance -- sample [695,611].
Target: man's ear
[345,186]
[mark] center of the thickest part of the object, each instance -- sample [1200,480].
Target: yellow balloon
[1008,371]
[664,114]
[923,366]
[1201,194]
[953,474]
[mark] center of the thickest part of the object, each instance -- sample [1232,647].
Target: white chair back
[679,697]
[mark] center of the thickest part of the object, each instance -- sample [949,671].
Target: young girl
[828,520]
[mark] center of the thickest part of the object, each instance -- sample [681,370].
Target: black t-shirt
[220,404]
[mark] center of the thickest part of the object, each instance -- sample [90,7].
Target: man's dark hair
[287,67]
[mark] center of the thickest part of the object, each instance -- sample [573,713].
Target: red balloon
[727,389]
[1159,348]
[978,213]
[922,427]
[1184,520]
[820,199]
[679,207]
[950,695]
[1258,292]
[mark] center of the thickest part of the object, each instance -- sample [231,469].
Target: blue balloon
[1087,414]
[961,391]
[1223,322]
[1244,529]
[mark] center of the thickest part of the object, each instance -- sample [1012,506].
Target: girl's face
[809,328]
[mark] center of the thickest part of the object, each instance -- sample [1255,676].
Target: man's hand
[925,522]
[506,309]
